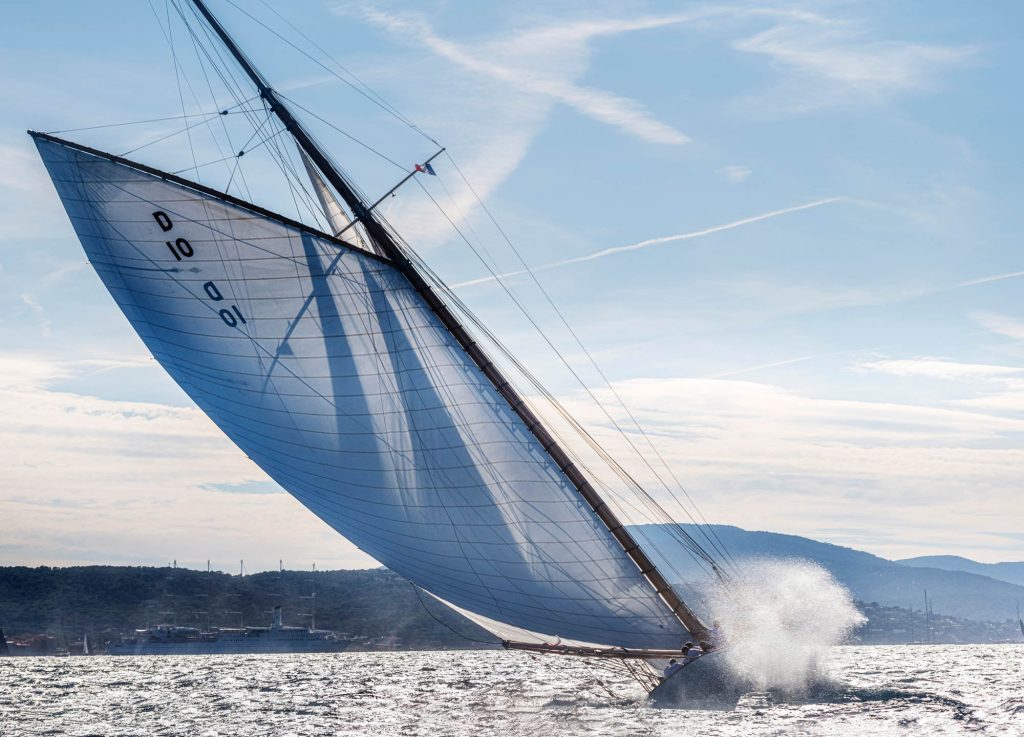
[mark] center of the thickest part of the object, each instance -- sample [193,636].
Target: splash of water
[778,618]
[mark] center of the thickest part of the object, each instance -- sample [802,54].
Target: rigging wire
[362,88]
[709,533]
[345,133]
[249,113]
[213,96]
[177,77]
[263,142]
[675,530]
[224,71]
[696,550]
[178,116]
[509,289]
[209,117]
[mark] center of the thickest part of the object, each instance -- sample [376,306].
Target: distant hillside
[376,606]
[1009,572]
[869,577]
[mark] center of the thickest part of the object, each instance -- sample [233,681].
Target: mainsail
[324,364]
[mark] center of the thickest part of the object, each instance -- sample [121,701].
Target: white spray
[778,618]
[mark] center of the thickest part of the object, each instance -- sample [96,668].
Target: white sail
[333,211]
[322,363]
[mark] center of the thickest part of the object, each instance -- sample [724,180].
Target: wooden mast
[387,245]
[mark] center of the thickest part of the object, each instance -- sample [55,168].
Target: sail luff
[383,240]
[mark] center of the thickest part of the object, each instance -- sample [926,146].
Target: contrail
[987,279]
[653,242]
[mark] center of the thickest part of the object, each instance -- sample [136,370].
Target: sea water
[898,690]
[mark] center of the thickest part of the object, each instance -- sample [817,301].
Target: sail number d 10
[181,249]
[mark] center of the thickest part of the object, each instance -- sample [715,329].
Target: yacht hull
[706,683]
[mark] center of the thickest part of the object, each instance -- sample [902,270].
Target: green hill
[376,606]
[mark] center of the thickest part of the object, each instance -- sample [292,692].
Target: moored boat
[277,638]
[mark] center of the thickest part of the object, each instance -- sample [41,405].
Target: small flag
[426,169]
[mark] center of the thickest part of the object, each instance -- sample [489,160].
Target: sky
[786,231]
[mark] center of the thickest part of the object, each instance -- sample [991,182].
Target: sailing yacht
[339,363]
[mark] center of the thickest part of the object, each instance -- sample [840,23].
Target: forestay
[324,366]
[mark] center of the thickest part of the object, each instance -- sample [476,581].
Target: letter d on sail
[163,221]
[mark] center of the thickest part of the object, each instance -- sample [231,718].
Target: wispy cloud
[655,242]
[28,209]
[145,471]
[554,81]
[837,61]
[60,272]
[735,174]
[765,457]
[45,325]
[939,368]
[1009,327]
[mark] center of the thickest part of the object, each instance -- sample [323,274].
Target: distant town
[889,625]
[57,611]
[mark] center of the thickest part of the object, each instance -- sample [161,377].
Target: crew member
[672,667]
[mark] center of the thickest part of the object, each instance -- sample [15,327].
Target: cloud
[654,242]
[498,95]
[22,171]
[763,457]
[28,207]
[524,61]
[939,368]
[56,275]
[1010,401]
[247,487]
[1000,324]
[734,174]
[829,61]
[45,325]
[143,470]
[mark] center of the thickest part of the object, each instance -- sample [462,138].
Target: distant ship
[173,640]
